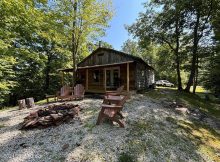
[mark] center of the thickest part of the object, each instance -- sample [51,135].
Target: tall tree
[163,23]
[18,26]
[134,48]
[212,73]
[85,21]
[200,13]
[131,47]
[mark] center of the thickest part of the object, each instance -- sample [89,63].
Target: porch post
[87,79]
[104,79]
[128,77]
[62,78]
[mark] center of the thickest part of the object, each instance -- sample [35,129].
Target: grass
[8,108]
[206,139]
[140,127]
[171,120]
[1,126]
[41,102]
[199,89]
[197,100]
[16,107]
[126,157]
[89,125]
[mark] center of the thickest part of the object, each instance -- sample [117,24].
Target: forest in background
[38,37]
[180,39]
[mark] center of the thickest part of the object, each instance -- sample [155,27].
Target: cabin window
[96,76]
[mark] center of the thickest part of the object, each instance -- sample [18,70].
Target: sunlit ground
[199,89]
[152,133]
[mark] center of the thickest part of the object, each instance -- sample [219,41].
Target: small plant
[171,120]
[90,126]
[126,157]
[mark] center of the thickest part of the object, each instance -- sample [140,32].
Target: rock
[179,105]
[24,145]
[51,115]
[78,144]
[182,110]
[65,146]
[34,114]
[55,116]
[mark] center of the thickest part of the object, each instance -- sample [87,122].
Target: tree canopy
[37,38]
[185,29]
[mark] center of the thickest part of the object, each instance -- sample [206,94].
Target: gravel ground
[149,135]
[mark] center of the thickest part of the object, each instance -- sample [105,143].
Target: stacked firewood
[51,115]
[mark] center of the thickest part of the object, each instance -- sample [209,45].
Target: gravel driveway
[150,134]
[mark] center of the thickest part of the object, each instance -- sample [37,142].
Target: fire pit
[51,115]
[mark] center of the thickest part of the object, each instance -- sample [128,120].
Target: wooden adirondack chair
[115,93]
[64,93]
[79,92]
[112,111]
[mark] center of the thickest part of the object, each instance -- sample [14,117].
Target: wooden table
[51,96]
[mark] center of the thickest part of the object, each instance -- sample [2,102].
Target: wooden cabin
[107,69]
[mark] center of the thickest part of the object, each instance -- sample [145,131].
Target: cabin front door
[112,78]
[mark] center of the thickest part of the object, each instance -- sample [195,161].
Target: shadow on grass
[209,106]
[206,138]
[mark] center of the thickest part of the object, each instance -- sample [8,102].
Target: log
[30,102]
[21,104]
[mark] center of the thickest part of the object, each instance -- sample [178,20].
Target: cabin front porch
[102,78]
[99,79]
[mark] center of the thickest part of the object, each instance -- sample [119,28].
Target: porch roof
[95,66]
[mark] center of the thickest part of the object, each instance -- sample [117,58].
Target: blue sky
[126,12]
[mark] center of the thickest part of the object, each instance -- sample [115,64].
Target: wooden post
[104,79]
[128,77]
[62,78]
[87,79]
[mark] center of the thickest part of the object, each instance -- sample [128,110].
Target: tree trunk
[195,81]
[177,32]
[30,102]
[74,43]
[178,75]
[21,104]
[195,49]
[47,72]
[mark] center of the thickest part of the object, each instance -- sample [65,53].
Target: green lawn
[203,100]
[205,137]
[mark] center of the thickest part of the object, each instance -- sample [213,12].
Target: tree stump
[21,104]
[30,102]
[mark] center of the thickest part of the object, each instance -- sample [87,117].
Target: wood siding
[144,76]
[99,86]
[104,57]
[140,74]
